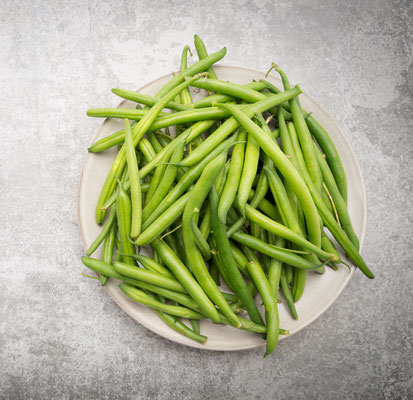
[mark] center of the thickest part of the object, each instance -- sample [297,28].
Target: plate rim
[196,345]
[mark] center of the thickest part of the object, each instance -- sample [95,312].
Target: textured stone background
[61,336]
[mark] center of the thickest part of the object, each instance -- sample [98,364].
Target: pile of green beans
[233,194]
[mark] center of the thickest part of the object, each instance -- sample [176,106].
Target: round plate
[321,290]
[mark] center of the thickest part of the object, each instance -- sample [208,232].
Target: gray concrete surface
[61,336]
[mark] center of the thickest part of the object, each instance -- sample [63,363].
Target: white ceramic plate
[321,290]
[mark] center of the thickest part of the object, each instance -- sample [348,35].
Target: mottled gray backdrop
[61,335]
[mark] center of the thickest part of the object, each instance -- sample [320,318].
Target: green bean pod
[272,321]
[107,254]
[287,293]
[141,297]
[196,197]
[339,202]
[187,280]
[249,171]
[124,218]
[274,252]
[135,187]
[167,181]
[234,175]
[162,222]
[202,53]
[225,253]
[148,276]
[104,232]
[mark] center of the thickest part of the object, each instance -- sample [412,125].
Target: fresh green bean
[287,293]
[272,321]
[234,175]
[147,100]
[124,215]
[104,232]
[249,171]
[107,254]
[202,53]
[141,297]
[272,251]
[224,251]
[187,280]
[162,222]
[148,276]
[153,265]
[339,202]
[196,197]
[167,181]
[135,188]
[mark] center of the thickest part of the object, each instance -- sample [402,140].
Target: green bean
[216,259]
[285,167]
[106,269]
[107,254]
[249,171]
[164,139]
[339,202]
[135,190]
[332,225]
[274,272]
[141,297]
[202,53]
[185,94]
[186,279]
[332,157]
[152,265]
[196,197]
[148,276]
[175,323]
[261,190]
[158,174]
[195,327]
[147,100]
[304,136]
[188,179]
[224,251]
[213,271]
[231,124]
[199,238]
[200,66]
[139,130]
[232,89]
[104,232]
[287,293]
[167,181]
[280,230]
[124,214]
[327,245]
[121,113]
[282,200]
[272,251]
[154,141]
[270,303]
[205,226]
[234,175]
[162,222]
[240,259]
